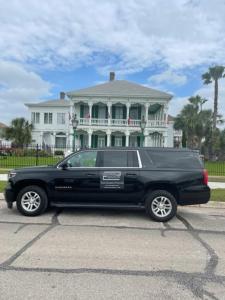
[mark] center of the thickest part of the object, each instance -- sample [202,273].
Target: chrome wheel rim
[161,206]
[30,201]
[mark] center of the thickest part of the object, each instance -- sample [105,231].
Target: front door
[80,181]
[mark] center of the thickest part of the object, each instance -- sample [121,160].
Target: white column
[108,139]
[166,113]
[146,112]
[127,138]
[89,138]
[109,105]
[90,112]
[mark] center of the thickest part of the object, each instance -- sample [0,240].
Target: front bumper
[198,194]
[9,194]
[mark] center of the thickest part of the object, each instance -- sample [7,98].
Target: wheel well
[171,188]
[21,184]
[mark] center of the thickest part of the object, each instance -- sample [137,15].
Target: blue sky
[52,46]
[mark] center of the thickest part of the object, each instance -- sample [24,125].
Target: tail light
[205,177]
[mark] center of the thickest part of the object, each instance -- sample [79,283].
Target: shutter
[139,112]
[81,111]
[124,112]
[113,140]
[123,141]
[139,141]
[106,112]
[96,141]
[92,141]
[105,140]
[113,112]
[94,111]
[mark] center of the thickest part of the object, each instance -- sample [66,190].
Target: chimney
[111,76]
[62,95]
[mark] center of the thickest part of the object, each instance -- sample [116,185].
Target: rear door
[120,176]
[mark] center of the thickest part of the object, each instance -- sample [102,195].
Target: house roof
[50,103]
[120,88]
[2,125]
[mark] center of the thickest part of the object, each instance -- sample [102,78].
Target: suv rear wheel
[161,205]
[32,201]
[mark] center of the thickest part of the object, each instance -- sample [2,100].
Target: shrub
[59,152]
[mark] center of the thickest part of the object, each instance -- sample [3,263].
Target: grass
[2,186]
[215,168]
[218,195]
[25,161]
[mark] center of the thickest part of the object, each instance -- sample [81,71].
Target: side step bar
[96,205]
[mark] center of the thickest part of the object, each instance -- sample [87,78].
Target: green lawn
[2,185]
[218,195]
[216,168]
[25,161]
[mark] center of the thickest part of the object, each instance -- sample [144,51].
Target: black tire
[34,190]
[149,205]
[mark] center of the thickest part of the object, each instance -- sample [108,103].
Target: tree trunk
[215,112]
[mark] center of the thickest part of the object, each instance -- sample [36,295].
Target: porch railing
[120,122]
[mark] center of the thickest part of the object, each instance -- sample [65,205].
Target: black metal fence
[35,155]
[31,155]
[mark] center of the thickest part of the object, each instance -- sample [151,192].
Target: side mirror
[64,166]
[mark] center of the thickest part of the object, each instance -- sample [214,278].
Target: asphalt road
[112,254]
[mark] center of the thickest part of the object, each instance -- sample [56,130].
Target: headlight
[11,175]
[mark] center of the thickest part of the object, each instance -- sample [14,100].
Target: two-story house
[108,114]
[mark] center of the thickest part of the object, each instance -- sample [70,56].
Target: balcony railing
[120,122]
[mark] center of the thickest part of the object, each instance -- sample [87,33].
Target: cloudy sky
[48,46]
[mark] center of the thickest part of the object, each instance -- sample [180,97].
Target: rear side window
[118,159]
[175,159]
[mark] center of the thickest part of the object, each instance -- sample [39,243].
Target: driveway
[112,254]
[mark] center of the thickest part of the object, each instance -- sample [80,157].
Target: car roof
[162,149]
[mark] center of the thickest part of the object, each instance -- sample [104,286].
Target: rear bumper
[9,194]
[199,194]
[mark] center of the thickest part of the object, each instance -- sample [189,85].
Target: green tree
[194,122]
[213,75]
[19,132]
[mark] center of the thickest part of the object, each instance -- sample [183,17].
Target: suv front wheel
[32,201]
[161,205]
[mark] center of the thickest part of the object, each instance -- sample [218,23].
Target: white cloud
[124,35]
[168,77]
[18,85]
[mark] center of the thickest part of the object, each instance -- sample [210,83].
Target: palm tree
[213,75]
[19,132]
[194,122]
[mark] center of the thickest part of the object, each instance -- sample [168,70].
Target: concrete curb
[210,204]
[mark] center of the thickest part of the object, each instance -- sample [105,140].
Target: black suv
[156,179]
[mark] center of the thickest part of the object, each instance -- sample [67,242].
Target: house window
[35,117]
[61,118]
[47,118]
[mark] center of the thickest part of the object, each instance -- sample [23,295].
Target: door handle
[132,175]
[91,174]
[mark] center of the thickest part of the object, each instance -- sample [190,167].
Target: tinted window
[120,159]
[175,159]
[83,159]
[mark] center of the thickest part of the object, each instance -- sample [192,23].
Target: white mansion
[108,114]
